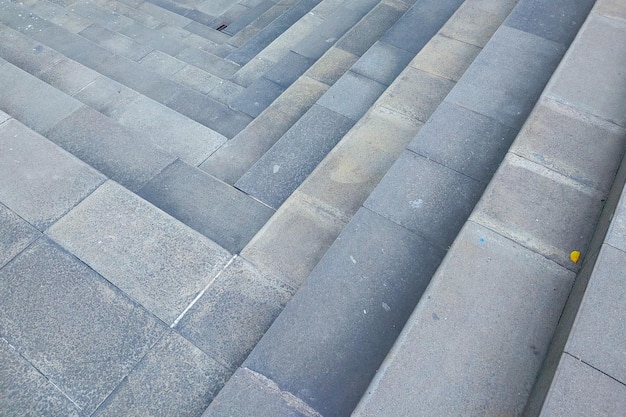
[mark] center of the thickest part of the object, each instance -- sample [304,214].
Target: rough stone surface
[257,97]
[15,235]
[382,63]
[352,95]
[486,286]
[286,71]
[152,257]
[80,332]
[446,57]
[41,182]
[330,67]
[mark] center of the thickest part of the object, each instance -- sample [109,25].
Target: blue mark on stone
[482,240]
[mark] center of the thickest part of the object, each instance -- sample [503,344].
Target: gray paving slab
[249,16]
[250,395]
[31,101]
[557,21]
[131,12]
[58,15]
[162,14]
[197,79]
[331,66]
[590,77]
[257,97]
[581,391]
[429,16]
[24,391]
[239,39]
[220,212]
[117,152]
[598,335]
[352,95]
[95,13]
[208,62]
[486,286]
[299,97]
[425,197]
[174,378]
[616,234]
[106,95]
[25,52]
[15,234]
[81,333]
[115,233]
[173,132]
[368,283]
[286,71]
[446,57]
[225,92]
[416,94]
[464,141]
[41,182]
[610,8]
[517,205]
[572,143]
[382,63]
[291,257]
[68,76]
[283,168]
[506,79]
[367,31]
[154,39]
[235,312]
[116,43]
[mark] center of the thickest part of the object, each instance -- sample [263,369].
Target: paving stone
[557,21]
[430,199]
[286,71]
[174,378]
[116,43]
[170,130]
[226,91]
[60,16]
[15,234]
[351,171]
[299,97]
[222,213]
[616,235]
[506,79]
[42,182]
[416,94]
[597,337]
[31,101]
[283,168]
[106,96]
[162,63]
[163,15]
[517,205]
[131,12]
[579,390]
[109,231]
[271,15]
[208,62]
[117,152]
[368,283]
[250,395]
[248,17]
[257,97]
[197,79]
[446,57]
[590,77]
[464,141]
[374,25]
[153,39]
[103,16]
[25,391]
[240,38]
[352,95]
[476,21]
[610,8]
[251,71]
[382,63]
[25,52]
[235,312]
[572,143]
[486,286]
[68,76]
[85,350]
[330,67]
[429,16]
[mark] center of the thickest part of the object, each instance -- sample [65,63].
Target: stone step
[371,277]
[292,158]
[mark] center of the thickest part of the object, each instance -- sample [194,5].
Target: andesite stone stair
[311,207]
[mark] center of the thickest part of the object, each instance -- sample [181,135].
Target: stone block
[26,53]
[68,76]
[464,141]
[116,43]
[286,71]
[591,77]
[208,62]
[106,95]
[162,63]
[15,235]
[257,97]
[352,95]
[299,97]
[382,63]
[446,57]
[507,78]
[41,182]
[485,321]
[368,283]
[84,335]
[234,313]
[283,168]
[616,235]
[427,198]
[518,202]
[331,66]
[610,8]
[225,91]
[153,39]
[116,233]
[197,79]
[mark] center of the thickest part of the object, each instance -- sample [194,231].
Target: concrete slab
[111,232]
[116,43]
[427,198]
[220,212]
[581,391]
[486,286]
[517,205]
[572,143]
[197,79]
[174,378]
[299,97]
[235,312]
[591,78]
[286,71]
[508,77]
[15,235]
[208,62]
[616,235]
[68,76]
[26,53]
[368,283]
[382,63]
[106,95]
[162,63]
[610,8]
[41,182]
[464,141]
[352,95]
[446,57]
[153,39]
[82,334]
[225,92]
[257,97]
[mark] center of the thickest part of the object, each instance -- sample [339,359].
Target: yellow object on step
[574,256]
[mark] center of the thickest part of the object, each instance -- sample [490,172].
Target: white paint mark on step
[352,259]
[416,204]
[386,307]
[276,168]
